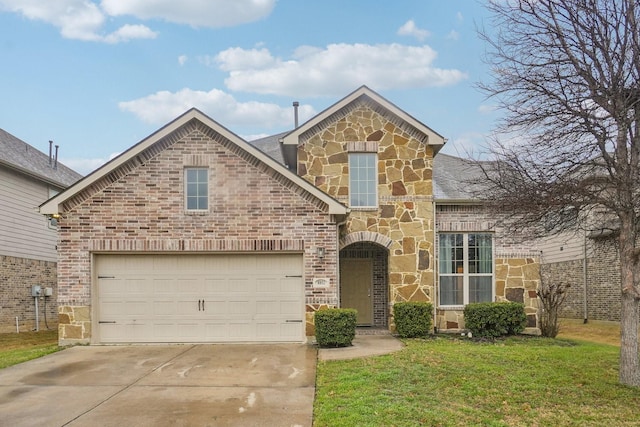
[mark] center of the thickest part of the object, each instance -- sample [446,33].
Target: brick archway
[365,237]
[364,263]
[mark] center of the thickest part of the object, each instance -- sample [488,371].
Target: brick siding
[17,276]
[251,208]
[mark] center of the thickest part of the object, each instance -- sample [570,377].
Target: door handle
[199,302]
[202,305]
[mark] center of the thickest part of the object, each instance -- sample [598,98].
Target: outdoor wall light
[320,252]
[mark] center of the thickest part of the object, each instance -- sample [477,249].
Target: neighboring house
[589,263]
[28,254]
[195,235]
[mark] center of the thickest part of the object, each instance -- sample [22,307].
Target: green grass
[448,381]
[18,348]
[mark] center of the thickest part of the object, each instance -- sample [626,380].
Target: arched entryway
[364,283]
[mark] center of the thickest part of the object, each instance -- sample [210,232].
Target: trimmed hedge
[495,319]
[335,327]
[413,319]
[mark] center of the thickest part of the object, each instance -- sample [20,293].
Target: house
[195,235]
[589,262]
[28,255]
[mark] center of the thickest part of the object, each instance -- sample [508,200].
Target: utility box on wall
[48,292]
[36,290]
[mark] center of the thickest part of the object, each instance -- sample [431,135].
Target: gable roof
[270,145]
[456,179]
[24,158]
[140,150]
[400,118]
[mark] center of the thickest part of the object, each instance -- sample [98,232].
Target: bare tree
[567,75]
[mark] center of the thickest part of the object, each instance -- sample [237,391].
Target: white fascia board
[52,206]
[433,137]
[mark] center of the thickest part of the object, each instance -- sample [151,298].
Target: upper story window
[196,189]
[465,268]
[363,181]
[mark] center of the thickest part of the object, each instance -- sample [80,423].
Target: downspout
[584,278]
[435,272]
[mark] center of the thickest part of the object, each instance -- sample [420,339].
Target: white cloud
[334,70]
[76,19]
[466,145]
[453,35]
[182,59]
[410,29]
[86,166]
[486,109]
[197,13]
[163,106]
[236,58]
[129,32]
[85,19]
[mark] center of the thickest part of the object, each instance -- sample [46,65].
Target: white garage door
[199,298]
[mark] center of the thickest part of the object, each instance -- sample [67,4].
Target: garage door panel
[200,298]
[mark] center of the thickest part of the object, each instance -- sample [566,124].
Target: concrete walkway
[180,385]
[363,346]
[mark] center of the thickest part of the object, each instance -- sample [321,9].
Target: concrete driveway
[180,385]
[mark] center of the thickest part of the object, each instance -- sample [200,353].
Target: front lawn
[18,348]
[448,381]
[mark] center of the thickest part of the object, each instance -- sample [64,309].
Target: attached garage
[153,298]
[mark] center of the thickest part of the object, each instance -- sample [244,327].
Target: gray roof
[270,145]
[455,178]
[17,154]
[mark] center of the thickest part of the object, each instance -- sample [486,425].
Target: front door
[356,286]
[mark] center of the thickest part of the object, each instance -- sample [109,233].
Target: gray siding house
[28,256]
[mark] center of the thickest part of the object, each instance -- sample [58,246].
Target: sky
[98,76]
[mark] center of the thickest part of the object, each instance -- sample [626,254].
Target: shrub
[413,319]
[552,296]
[335,327]
[495,319]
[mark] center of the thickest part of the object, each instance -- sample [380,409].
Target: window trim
[375,181]
[186,192]
[465,274]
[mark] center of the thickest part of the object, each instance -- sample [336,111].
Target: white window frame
[186,191]
[353,183]
[465,275]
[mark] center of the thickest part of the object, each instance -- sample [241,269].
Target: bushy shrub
[495,319]
[335,327]
[413,319]
[552,296]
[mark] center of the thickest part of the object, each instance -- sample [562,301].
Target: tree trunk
[629,366]
[629,319]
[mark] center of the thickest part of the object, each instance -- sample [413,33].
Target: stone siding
[517,266]
[140,208]
[17,276]
[517,280]
[404,215]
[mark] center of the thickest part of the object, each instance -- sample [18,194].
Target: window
[196,189]
[466,268]
[363,180]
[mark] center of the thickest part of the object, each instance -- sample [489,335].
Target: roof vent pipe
[50,151]
[55,162]
[296,104]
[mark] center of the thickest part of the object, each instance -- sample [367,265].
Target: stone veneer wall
[517,264]
[17,276]
[140,208]
[404,216]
